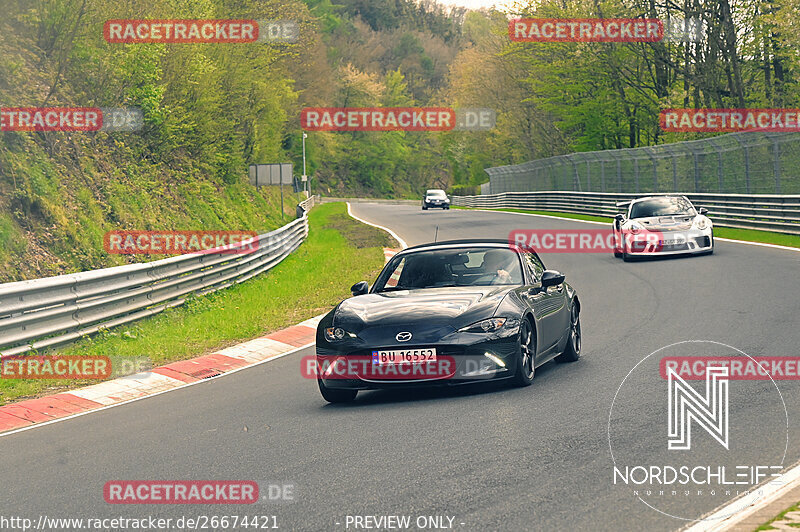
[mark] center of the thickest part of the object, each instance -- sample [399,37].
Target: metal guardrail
[43,313]
[765,212]
[374,200]
[307,204]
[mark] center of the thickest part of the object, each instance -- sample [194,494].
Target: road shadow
[368,398]
[658,258]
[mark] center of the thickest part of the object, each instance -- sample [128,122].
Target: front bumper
[694,241]
[437,204]
[462,361]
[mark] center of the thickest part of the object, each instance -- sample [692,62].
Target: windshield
[666,206]
[436,193]
[451,267]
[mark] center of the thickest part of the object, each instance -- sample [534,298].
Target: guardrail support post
[776,158]
[674,173]
[719,164]
[746,152]
[650,154]
[747,169]
[602,175]
[588,177]
[655,175]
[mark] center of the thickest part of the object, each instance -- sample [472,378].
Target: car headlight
[701,222]
[337,334]
[447,200]
[635,227]
[490,325]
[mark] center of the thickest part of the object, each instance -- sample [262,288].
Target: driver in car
[501,264]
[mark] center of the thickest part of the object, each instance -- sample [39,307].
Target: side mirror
[552,278]
[360,288]
[619,217]
[703,211]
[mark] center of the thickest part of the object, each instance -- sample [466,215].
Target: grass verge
[749,235]
[768,526]
[339,251]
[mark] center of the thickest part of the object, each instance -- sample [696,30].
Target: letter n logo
[686,405]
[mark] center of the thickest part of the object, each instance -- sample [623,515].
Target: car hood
[455,307]
[666,223]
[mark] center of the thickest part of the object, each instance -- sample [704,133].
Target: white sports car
[662,225]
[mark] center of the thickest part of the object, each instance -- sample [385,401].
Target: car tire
[334,395]
[572,352]
[526,364]
[625,256]
[424,208]
[617,253]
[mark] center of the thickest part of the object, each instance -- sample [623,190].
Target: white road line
[42,424]
[394,235]
[541,216]
[728,516]
[762,244]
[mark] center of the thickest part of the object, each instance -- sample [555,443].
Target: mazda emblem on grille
[403,336]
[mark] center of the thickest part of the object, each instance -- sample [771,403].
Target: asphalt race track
[492,457]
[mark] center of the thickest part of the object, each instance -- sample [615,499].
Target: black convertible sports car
[449,313]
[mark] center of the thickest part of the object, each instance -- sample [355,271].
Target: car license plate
[403,356]
[672,242]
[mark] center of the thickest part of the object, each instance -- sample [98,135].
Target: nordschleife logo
[709,411]
[695,425]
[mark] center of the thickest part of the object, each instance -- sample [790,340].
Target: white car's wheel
[625,256]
